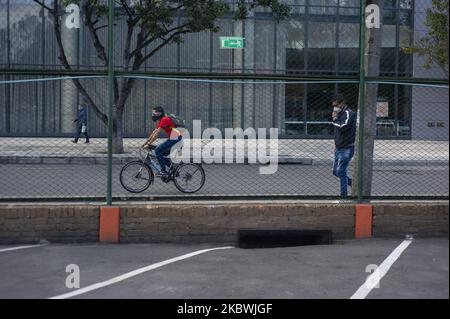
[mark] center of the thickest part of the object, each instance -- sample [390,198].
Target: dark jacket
[82,117]
[345,128]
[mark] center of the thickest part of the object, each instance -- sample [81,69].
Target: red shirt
[168,126]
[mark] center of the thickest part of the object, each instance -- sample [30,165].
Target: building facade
[320,38]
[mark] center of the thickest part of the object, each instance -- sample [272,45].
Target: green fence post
[362,92]
[110,99]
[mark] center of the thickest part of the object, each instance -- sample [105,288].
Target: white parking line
[373,280]
[133,273]
[20,247]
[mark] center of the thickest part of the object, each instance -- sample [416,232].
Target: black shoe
[162,174]
[73,141]
[87,142]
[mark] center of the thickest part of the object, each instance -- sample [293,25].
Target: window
[319,109]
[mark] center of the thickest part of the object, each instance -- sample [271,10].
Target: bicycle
[140,173]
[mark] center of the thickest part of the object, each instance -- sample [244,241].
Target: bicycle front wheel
[136,177]
[189,177]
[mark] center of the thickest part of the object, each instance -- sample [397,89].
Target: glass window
[350,92]
[348,35]
[405,60]
[349,3]
[321,61]
[295,61]
[388,36]
[406,4]
[386,125]
[387,61]
[323,7]
[294,109]
[404,110]
[321,35]
[319,109]
[321,47]
[292,33]
[349,7]
[348,59]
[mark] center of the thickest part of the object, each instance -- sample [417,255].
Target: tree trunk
[118,133]
[126,87]
[372,69]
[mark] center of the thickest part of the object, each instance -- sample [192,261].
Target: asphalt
[57,168]
[305,272]
[16,150]
[83,180]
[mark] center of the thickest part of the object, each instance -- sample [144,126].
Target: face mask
[155,118]
[336,109]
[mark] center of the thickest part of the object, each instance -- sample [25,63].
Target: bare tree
[149,23]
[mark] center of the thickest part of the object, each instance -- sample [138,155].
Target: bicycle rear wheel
[189,177]
[136,176]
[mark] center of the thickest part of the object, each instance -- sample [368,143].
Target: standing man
[81,121]
[344,122]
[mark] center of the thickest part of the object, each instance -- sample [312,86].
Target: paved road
[327,271]
[64,180]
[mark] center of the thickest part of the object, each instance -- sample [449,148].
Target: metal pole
[110,99]
[362,92]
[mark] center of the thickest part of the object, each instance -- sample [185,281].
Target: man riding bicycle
[163,123]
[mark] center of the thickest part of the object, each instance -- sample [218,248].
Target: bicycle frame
[150,158]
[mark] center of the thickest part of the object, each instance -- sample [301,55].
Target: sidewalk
[308,152]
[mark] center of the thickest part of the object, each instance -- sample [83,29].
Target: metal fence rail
[283,79]
[38,158]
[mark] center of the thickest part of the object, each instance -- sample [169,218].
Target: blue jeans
[342,158]
[163,150]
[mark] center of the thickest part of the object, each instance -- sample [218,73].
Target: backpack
[177,121]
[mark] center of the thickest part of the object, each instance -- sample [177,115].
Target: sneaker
[87,142]
[162,174]
[73,141]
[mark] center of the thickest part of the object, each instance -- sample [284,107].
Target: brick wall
[220,223]
[420,220]
[189,223]
[30,224]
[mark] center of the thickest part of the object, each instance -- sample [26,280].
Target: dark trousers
[77,137]
[163,150]
[342,158]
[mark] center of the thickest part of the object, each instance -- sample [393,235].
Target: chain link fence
[38,158]
[309,56]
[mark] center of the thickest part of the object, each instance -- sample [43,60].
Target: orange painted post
[363,221]
[109,224]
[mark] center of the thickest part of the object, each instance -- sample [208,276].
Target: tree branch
[99,28]
[66,65]
[127,8]
[146,43]
[101,53]
[138,62]
[99,47]
[44,6]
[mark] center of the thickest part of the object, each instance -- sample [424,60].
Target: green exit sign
[231,42]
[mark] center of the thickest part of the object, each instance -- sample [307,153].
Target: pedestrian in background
[81,121]
[344,122]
